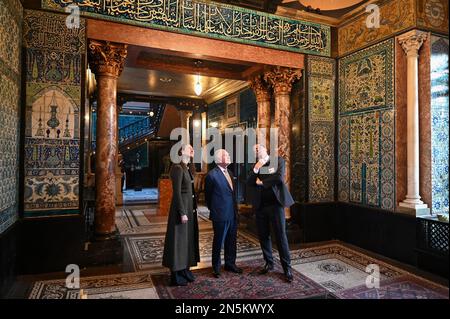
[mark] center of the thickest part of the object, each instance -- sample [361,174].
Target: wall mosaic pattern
[367,127]
[10,44]
[439,124]
[54,66]
[366,80]
[395,16]
[433,15]
[321,91]
[209,19]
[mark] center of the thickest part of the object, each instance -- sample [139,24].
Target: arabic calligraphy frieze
[209,19]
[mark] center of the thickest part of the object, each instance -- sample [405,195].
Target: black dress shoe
[289,277]
[266,269]
[177,279]
[216,274]
[188,275]
[234,269]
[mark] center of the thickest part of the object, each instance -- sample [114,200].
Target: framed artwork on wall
[232,111]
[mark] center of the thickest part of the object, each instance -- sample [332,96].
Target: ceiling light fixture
[165,79]
[198,86]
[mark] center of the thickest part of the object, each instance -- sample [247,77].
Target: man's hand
[258,165]
[184,219]
[258,182]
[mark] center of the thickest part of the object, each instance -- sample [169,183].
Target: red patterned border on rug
[249,285]
[403,287]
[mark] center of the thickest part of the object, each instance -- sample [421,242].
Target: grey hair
[217,153]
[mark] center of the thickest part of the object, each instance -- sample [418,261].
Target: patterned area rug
[249,285]
[337,267]
[342,270]
[119,286]
[326,271]
[404,287]
[147,195]
[147,251]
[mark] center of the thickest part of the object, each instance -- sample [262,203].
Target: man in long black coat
[270,197]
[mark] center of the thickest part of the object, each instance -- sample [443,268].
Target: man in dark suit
[221,201]
[270,197]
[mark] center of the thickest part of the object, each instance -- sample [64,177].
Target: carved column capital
[107,58]
[281,79]
[260,88]
[412,41]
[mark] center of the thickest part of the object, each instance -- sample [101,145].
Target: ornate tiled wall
[367,127]
[10,43]
[321,119]
[54,68]
[395,16]
[439,124]
[299,158]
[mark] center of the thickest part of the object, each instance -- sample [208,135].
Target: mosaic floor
[328,270]
[122,286]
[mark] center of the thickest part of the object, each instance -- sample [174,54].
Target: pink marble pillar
[262,93]
[281,80]
[107,61]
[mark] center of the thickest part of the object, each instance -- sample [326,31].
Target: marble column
[106,59]
[281,80]
[119,174]
[185,118]
[411,43]
[262,93]
[204,142]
